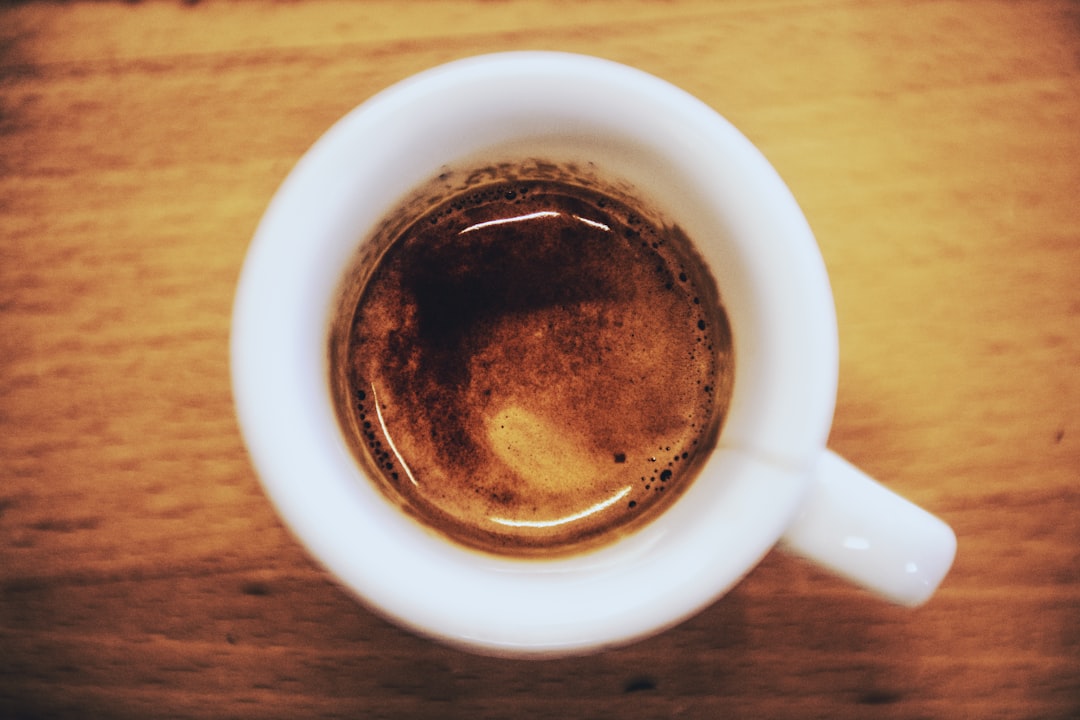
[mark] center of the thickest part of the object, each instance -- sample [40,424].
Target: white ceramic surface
[764,476]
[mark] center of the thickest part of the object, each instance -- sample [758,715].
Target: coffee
[534,365]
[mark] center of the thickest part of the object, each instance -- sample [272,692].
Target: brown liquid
[532,368]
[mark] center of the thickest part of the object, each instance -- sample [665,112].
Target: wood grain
[934,148]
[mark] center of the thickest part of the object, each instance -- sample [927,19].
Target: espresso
[532,367]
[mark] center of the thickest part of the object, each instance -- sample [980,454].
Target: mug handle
[866,533]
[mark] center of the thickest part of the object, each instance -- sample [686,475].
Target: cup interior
[697,170]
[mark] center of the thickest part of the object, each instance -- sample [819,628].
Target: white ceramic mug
[770,479]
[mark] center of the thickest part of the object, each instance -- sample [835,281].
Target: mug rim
[618,593]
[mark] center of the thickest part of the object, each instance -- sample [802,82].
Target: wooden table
[935,148]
